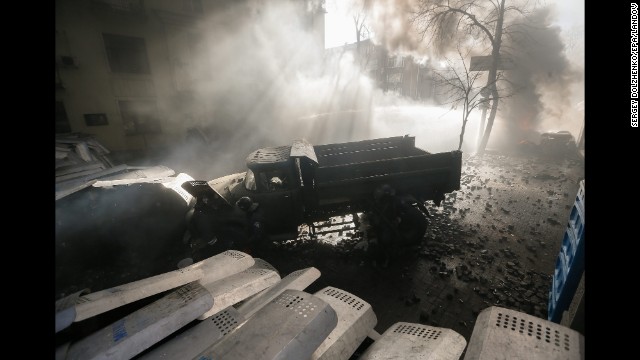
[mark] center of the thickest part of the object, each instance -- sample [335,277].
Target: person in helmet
[246,204]
[254,226]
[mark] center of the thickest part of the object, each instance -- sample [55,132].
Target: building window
[372,63]
[395,78]
[139,117]
[126,54]
[395,61]
[96,119]
[394,82]
[62,121]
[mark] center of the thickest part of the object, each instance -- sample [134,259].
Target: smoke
[543,79]
[437,128]
[392,26]
[270,84]
[397,28]
[546,88]
[267,82]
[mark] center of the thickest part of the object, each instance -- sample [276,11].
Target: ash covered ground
[493,242]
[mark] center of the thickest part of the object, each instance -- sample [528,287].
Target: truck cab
[272,181]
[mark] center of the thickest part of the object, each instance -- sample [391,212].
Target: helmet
[244,203]
[384,192]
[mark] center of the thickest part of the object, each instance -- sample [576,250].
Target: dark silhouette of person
[384,219]
[254,225]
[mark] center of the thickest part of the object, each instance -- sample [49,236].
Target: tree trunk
[483,118]
[491,81]
[487,131]
[465,117]
[464,124]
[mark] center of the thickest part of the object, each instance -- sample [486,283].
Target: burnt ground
[493,242]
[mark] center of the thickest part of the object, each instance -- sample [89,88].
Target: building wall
[391,73]
[92,87]
[178,64]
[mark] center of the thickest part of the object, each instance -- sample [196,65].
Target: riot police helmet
[244,203]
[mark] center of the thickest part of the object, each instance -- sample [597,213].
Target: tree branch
[473,19]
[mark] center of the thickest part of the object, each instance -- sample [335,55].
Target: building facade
[130,71]
[390,72]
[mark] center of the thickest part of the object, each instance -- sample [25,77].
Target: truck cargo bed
[349,173]
[367,150]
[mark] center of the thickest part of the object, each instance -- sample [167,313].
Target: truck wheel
[413,226]
[202,225]
[233,236]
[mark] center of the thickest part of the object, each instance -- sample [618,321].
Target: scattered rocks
[474,248]
[553,221]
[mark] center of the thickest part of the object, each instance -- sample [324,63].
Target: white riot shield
[409,341]
[208,270]
[509,334]
[291,326]
[355,320]
[191,342]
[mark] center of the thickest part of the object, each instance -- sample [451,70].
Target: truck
[303,183]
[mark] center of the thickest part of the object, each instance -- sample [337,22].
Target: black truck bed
[367,150]
[349,173]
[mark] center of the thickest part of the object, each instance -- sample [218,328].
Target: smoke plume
[271,83]
[543,78]
[546,87]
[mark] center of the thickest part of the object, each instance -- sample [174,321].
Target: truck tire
[233,236]
[413,226]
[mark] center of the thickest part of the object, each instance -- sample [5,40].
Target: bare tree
[458,85]
[359,16]
[362,32]
[358,10]
[444,22]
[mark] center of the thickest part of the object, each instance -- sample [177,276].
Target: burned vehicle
[558,143]
[304,183]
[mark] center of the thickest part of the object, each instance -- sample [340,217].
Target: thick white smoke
[550,87]
[270,83]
